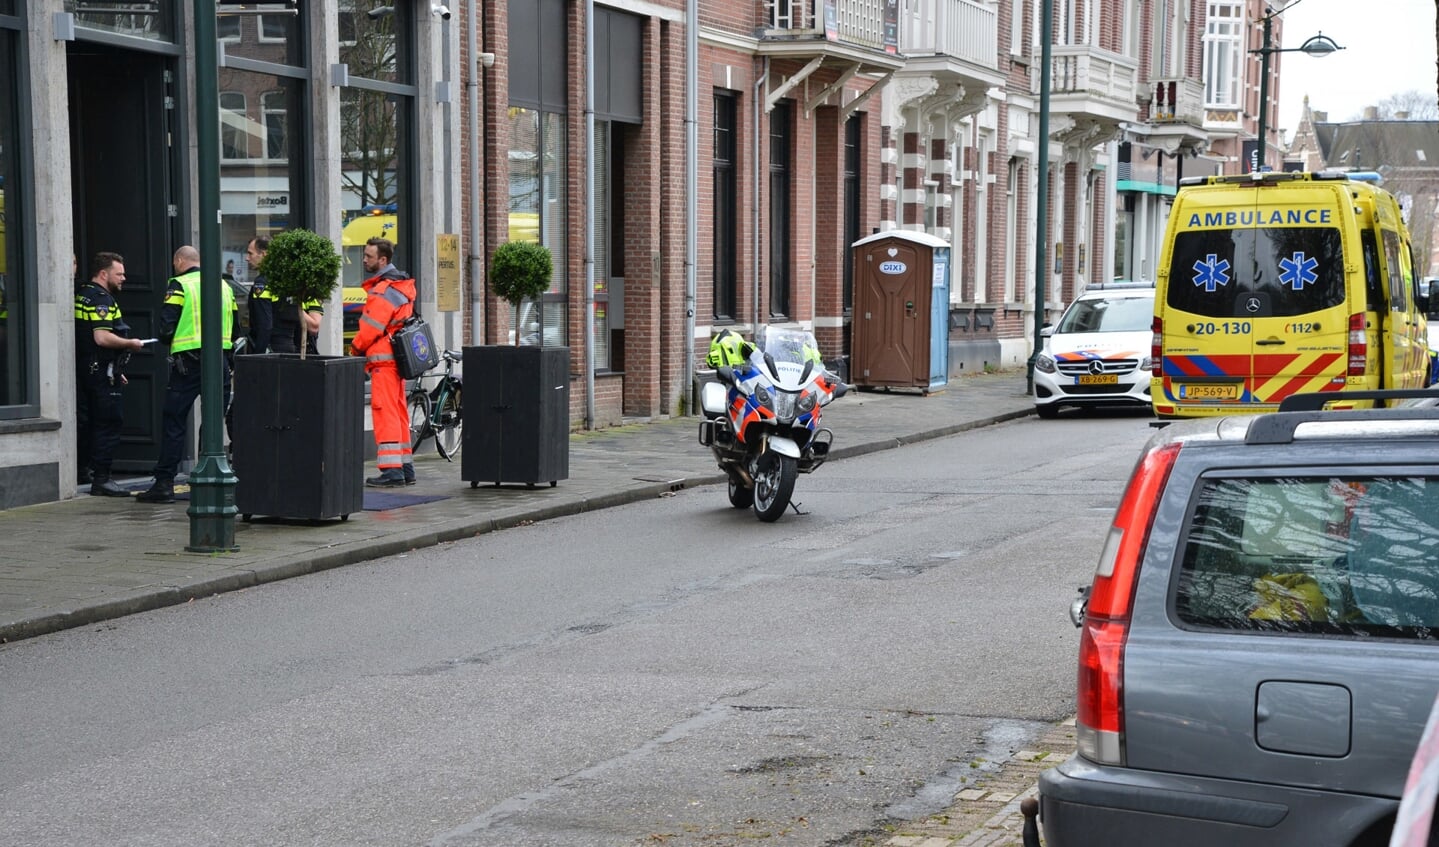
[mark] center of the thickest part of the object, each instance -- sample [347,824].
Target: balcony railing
[1090,71]
[963,29]
[859,22]
[1176,100]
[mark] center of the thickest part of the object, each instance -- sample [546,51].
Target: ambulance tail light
[1358,346]
[1099,724]
[1156,348]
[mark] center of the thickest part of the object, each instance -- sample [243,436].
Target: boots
[163,491]
[388,478]
[409,471]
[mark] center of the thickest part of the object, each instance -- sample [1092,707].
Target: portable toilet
[900,329]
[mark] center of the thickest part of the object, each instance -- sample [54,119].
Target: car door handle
[1269,342]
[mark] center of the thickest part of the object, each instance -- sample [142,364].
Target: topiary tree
[520,271]
[301,265]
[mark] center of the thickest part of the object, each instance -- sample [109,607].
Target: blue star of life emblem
[1211,273]
[1298,271]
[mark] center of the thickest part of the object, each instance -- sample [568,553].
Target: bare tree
[1413,105]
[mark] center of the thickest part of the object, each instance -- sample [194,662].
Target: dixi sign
[892,268]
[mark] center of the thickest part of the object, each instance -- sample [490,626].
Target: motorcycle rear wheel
[773,485]
[740,496]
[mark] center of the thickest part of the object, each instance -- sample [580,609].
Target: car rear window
[1248,273]
[1108,314]
[1313,555]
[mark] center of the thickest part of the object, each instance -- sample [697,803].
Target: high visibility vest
[187,331]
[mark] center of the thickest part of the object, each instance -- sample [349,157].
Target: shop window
[151,21]
[17,286]
[537,209]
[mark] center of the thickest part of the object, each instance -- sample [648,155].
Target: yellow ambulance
[1282,283]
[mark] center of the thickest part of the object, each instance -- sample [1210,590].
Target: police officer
[180,327]
[102,347]
[275,322]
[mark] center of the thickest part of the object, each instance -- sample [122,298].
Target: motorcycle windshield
[790,350]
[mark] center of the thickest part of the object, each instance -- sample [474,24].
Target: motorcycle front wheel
[773,485]
[740,496]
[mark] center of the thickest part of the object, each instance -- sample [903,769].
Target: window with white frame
[1223,55]
[1016,27]
[276,124]
[234,140]
[346,15]
[227,27]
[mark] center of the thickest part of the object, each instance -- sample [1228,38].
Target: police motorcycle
[761,419]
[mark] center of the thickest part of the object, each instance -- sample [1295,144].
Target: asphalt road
[670,672]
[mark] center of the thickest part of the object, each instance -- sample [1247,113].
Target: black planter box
[517,415]
[298,436]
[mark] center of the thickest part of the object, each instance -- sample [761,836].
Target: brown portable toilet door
[893,316]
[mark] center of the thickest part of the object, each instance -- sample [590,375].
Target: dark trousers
[180,394]
[102,412]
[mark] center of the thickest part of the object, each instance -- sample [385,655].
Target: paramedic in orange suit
[389,300]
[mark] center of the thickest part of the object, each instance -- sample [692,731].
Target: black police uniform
[99,374]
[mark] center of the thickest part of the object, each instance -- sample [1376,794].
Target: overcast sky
[1389,47]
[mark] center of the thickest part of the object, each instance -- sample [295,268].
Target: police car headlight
[1044,363]
[1146,364]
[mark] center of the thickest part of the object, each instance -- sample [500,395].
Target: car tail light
[1358,345]
[1100,720]
[1156,348]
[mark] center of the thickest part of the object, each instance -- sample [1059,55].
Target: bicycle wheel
[449,424]
[419,403]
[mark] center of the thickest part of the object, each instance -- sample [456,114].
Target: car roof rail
[1314,401]
[1279,428]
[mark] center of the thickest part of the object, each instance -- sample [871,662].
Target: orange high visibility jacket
[389,302]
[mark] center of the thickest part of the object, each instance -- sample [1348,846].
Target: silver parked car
[1260,646]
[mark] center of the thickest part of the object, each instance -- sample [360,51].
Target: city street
[670,671]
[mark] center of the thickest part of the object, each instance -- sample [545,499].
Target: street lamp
[1317,46]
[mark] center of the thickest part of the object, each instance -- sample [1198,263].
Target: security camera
[487,59]
[441,11]
[380,12]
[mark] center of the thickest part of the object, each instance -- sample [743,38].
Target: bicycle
[436,411]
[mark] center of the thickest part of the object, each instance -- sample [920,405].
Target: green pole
[1041,234]
[212,484]
[1264,93]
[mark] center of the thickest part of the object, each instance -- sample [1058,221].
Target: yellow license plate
[1099,379]
[1209,392]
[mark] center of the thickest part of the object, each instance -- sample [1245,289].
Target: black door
[124,165]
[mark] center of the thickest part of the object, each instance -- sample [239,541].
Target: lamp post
[1317,46]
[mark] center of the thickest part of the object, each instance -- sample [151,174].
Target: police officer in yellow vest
[180,327]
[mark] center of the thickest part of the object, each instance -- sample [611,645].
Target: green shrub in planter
[301,265]
[520,271]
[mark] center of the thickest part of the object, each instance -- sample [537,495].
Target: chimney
[1320,117]
[1401,116]
[1371,113]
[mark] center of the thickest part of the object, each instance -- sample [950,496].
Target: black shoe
[107,488]
[409,472]
[84,477]
[158,493]
[388,478]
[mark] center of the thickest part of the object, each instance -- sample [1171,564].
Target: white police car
[1099,352]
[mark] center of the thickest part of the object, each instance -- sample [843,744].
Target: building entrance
[125,144]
